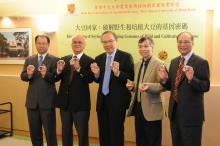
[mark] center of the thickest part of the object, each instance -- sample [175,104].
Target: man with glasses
[111,71]
[74,95]
[148,103]
[40,70]
[188,79]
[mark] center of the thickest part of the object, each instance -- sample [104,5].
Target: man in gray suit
[39,70]
[187,80]
[148,103]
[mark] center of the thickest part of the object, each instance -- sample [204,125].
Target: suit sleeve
[128,70]
[24,75]
[51,71]
[200,81]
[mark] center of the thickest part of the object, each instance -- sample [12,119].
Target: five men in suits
[148,103]
[113,96]
[74,95]
[40,70]
[186,106]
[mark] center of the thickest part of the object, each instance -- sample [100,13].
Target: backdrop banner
[130,20]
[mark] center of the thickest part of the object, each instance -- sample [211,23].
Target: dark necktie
[40,61]
[177,80]
[141,81]
[72,69]
[105,86]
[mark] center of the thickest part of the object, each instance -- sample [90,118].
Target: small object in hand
[72,61]
[94,64]
[32,67]
[130,82]
[62,62]
[141,86]
[185,68]
[162,67]
[40,68]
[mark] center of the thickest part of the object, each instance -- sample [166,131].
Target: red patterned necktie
[177,80]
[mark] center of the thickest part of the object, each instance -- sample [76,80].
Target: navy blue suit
[74,100]
[112,107]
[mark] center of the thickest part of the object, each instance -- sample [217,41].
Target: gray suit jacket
[41,91]
[152,101]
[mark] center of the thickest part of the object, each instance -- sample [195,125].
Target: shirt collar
[113,54]
[187,56]
[79,55]
[44,55]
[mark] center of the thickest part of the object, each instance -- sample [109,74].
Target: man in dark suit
[74,95]
[40,70]
[187,85]
[113,96]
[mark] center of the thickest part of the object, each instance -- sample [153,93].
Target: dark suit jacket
[41,91]
[75,94]
[190,95]
[118,93]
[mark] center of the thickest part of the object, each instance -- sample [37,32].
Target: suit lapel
[191,60]
[81,62]
[190,63]
[116,58]
[137,68]
[149,69]
[67,64]
[35,63]
[46,59]
[102,64]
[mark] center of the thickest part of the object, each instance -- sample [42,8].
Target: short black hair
[192,38]
[115,36]
[48,39]
[151,41]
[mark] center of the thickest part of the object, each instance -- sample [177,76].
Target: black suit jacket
[41,91]
[75,94]
[190,94]
[118,93]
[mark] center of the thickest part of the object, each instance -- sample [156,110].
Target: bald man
[74,96]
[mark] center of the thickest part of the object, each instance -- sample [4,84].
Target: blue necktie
[105,86]
[40,61]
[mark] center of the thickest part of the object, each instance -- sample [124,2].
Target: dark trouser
[46,117]
[148,133]
[111,125]
[184,135]
[80,120]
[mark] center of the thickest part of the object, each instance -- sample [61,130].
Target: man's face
[145,49]
[185,44]
[42,45]
[109,43]
[78,44]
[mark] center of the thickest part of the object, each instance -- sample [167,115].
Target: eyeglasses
[106,42]
[185,43]
[80,43]
[43,44]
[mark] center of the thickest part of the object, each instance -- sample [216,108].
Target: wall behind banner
[130,20]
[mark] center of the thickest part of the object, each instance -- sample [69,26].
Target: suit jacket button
[66,92]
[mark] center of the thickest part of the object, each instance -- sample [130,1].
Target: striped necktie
[177,80]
